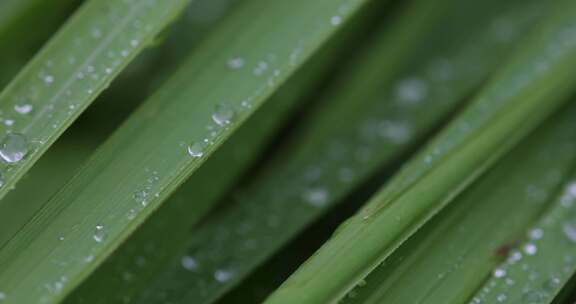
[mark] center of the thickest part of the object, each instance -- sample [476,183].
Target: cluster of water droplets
[530,276]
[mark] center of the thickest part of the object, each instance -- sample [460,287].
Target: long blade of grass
[524,92]
[113,106]
[68,74]
[134,265]
[544,262]
[314,171]
[163,142]
[451,256]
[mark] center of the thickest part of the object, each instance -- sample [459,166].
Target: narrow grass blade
[316,170]
[69,72]
[134,265]
[113,106]
[536,271]
[451,256]
[533,84]
[163,142]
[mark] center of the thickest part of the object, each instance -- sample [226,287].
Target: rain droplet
[411,90]
[569,229]
[189,263]
[499,272]
[530,249]
[48,79]
[23,108]
[317,197]
[223,115]
[13,147]
[235,63]
[99,234]
[536,234]
[336,20]
[196,150]
[222,275]
[2,296]
[141,196]
[501,297]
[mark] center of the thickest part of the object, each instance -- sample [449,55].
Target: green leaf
[162,143]
[533,84]
[537,269]
[69,72]
[448,258]
[315,168]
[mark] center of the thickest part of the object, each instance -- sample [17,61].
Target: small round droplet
[501,297]
[2,296]
[223,115]
[196,150]
[13,147]
[317,197]
[412,90]
[336,20]
[141,196]
[99,233]
[569,229]
[189,263]
[530,249]
[23,108]
[235,63]
[222,275]
[499,272]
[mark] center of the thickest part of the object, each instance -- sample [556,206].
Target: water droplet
[499,272]
[189,263]
[317,197]
[411,90]
[2,296]
[336,20]
[48,79]
[9,122]
[223,114]
[141,196]
[99,233]
[569,229]
[536,234]
[196,150]
[501,297]
[13,147]
[222,275]
[89,258]
[530,249]
[532,297]
[235,63]
[23,108]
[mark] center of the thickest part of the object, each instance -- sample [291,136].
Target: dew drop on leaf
[569,229]
[189,263]
[222,275]
[317,197]
[235,63]
[223,114]
[196,150]
[13,147]
[23,108]
[99,233]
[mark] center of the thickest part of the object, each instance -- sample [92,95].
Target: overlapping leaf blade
[533,84]
[316,169]
[162,143]
[453,254]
